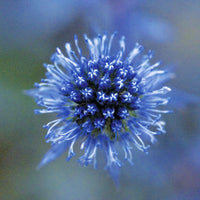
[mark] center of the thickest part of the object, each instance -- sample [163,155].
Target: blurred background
[29,33]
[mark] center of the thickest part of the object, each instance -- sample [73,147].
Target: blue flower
[104,100]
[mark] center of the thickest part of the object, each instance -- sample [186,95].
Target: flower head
[103,100]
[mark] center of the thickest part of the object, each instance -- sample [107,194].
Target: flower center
[105,94]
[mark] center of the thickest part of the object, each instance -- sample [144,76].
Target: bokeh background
[29,33]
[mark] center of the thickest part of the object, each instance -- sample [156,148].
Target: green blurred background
[29,33]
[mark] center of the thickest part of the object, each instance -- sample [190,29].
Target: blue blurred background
[29,33]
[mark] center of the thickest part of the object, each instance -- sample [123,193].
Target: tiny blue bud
[99,123]
[81,82]
[119,83]
[116,125]
[123,113]
[126,97]
[75,96]
[113,97]
[104,82]
[92,109]
[93,74]
[87,93]
[108,113]
[101,97]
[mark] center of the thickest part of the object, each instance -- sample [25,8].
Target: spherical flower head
[102,100]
